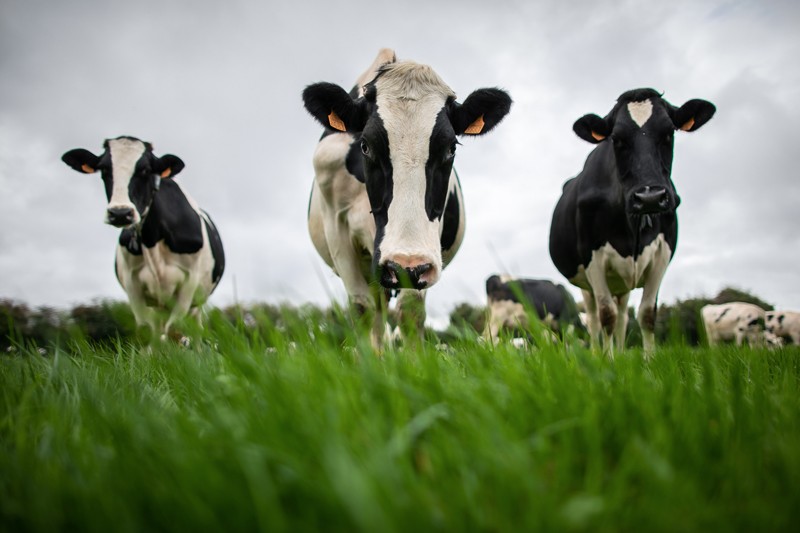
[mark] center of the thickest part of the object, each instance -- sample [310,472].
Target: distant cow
[510,300]
[784,324]
[734,321]
[169,258]
[386,204]
[615,228]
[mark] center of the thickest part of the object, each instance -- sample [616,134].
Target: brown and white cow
[784,325]
[734,321]
[386,210]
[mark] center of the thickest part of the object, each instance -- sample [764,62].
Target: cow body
[169,257]
[386,210]
[784,325]
[734,321]
[615,228]
[511,299]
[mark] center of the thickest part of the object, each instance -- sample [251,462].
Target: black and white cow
[510,300]
[733,321]
[386,204]
[615,227]
[169,258]
[784,325]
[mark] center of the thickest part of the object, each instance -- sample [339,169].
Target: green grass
[247,432]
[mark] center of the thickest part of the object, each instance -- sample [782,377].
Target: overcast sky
[219,84]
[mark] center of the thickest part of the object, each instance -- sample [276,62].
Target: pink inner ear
[166,173]
[688,125]
[597,136]
[87,169]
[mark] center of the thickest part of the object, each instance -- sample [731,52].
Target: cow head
[404,126]
[131,174]
[640,131]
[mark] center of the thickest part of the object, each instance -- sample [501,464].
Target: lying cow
[614,228]
[734,321]
[511,299]
[386,210]
[169,257]
[784,325]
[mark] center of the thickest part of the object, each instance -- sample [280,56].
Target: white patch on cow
[384,57]
[409,99]
[784,324]
[640,111]
[124,155]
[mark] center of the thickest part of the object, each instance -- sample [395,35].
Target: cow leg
[606,306]
[183,302]
[646,316]
[592,318]
[621,327]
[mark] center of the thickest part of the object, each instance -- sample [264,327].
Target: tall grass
[249,431]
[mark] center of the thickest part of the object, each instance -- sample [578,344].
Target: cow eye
[452,151]
[364,147]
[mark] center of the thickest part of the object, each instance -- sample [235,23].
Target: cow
[615,228]
[733,321]
[386,211]
[511,299]
[169,257]
[784,325]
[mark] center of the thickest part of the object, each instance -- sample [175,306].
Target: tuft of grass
[297,427]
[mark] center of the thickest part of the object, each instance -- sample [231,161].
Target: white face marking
[409,99]
[640,111]
[124,155]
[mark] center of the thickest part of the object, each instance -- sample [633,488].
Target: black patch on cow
[780,319]
[450,220]
[130,240]
[758,321]
[173,220]
[378,174]
[722,314]
[215,242]
[441,153]
[354,161]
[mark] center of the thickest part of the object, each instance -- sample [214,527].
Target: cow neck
[147,231]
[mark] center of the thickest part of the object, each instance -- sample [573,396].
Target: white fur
[731,322]
[640,111]
[608,280]
[124,155]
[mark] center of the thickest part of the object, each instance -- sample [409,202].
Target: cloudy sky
[219,83]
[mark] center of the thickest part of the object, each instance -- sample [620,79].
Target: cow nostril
[395,276]
[119,216]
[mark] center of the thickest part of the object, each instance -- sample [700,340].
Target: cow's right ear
[334,108]
[591,128]
[81,160]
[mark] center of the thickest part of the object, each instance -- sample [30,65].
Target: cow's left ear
[169,165]
[81,160]
[692,115]
[480,112]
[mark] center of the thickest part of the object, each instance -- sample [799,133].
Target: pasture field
[247,431]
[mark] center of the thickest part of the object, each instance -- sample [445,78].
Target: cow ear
[693,114]
[81,160]
[168,165]
[480,112]
[334,108]
[493,283]
[591,128]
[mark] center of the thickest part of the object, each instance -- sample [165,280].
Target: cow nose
[650,200]
[395,276]
[119,216]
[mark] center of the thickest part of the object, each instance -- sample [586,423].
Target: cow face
[131,174]
[404,130]
[640,131]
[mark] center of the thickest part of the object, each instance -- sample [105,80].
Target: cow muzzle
[407,274]
[649,200]
[120,217]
